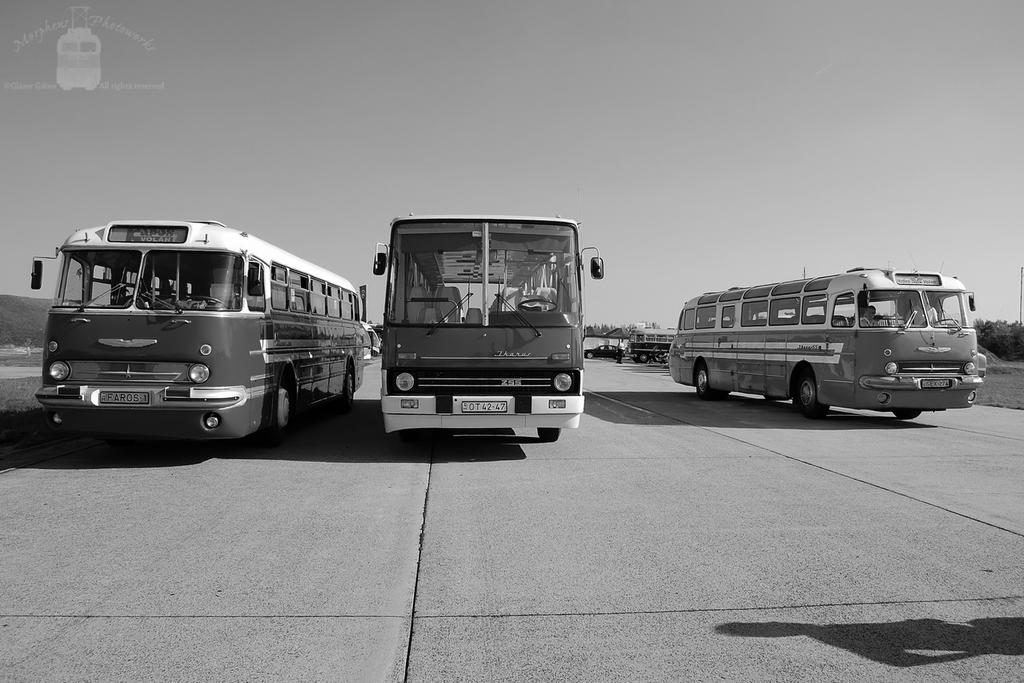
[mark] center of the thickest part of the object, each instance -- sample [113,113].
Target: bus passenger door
[750,362]
[723,361]
[776,380]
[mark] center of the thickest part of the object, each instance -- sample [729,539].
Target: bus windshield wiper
[110,292]
[445,316]
[909,322]
[519,316]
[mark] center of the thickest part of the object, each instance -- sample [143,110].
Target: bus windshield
[903,308]
[945,309]
[98,278]
[896,308]
[440,276]
[191,280]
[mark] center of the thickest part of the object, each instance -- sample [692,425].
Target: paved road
[667,539]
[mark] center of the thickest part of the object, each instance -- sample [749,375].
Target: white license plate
[936,383]
[124,398]
[485,406]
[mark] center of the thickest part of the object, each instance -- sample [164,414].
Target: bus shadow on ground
[912,642]
[735,411]
[320,435]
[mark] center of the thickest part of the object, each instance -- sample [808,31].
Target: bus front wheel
[805,397]
[642,358]
[905,413]
[281,414]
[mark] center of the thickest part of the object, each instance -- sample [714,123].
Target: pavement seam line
[820,467]
[714,610]
[419,561]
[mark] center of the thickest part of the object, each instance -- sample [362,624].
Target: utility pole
[1020,310]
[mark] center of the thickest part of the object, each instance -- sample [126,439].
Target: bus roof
[853,279]
[199,235]
[480,218]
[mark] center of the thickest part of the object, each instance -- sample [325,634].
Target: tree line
[1004,339]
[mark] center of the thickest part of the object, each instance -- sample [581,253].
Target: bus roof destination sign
[168,234]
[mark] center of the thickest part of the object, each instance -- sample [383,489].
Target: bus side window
[728,316]
[813,312]
[754,314]
[255,294]
[279,288]
[688,315]
[705,317]
[844,310]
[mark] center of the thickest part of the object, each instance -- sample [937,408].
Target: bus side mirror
[380,263]
[970,301]
[37,274]
[862,299]
[597,268]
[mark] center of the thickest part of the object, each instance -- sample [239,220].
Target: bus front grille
[122,372]
[522,383]
[927,367]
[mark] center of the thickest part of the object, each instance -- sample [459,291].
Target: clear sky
[704,144]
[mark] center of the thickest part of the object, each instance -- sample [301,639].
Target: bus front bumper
[890,392]
[165,412]
[421,412]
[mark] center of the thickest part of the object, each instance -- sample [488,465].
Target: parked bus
[483,323]
[648,345]
[193,330]
[874,339]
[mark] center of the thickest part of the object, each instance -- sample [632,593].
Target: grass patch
[21,417]
[1004,386]
[28,360]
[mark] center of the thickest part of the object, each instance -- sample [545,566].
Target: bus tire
[805,396]
[906,413]
[548,434]
[642,358]
[702,383]
[348,392]
[281,413]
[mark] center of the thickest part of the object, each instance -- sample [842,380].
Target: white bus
[190,329]
[877,339]
[483,323]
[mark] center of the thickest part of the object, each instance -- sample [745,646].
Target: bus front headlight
[60,370]
[198,373]
[562,381]
[405,381]
[891,368]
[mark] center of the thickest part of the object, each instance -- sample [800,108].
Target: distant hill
[22,319]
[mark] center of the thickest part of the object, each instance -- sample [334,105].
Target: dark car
[602,351]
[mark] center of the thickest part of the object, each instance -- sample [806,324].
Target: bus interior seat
[451,302]
[474,316]
[414,309]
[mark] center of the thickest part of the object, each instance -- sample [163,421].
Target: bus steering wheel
[537,304]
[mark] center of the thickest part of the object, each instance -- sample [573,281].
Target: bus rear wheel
[348,391]
[906,413]
[702,383]
[641,358]
[805,397]
[548,434]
